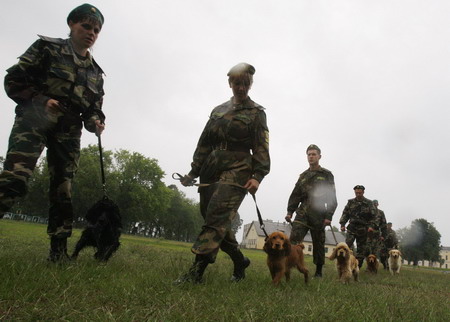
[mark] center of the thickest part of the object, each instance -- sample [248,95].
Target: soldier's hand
[187,181]
[52,106]
[342,228]
[370,229]
[252,186]
[288,217]
[326,222]
[99,127]
[382,238]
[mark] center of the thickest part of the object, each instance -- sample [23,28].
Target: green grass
[136,285]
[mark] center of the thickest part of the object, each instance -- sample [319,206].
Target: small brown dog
[282,256]
[372,264]
[346,263]
[395,261]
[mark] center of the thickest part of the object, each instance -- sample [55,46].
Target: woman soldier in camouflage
[57,86]
[232,158]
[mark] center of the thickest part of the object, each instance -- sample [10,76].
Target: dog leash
[177,176]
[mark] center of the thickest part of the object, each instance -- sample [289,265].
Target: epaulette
[259,107]
[58,41]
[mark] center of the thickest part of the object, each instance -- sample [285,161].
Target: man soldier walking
[360,213]
[316,194]
[390,242]
[376,238]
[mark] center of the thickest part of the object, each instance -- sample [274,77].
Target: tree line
[134,182]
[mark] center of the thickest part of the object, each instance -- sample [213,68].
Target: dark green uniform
[361,215]
[50,69]
[233,148]
[374,238]
[316,194]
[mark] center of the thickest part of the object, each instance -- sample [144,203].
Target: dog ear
[287,247]
[267,245]
[333,254]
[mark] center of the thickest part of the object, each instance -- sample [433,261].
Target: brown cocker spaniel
[372,264]
[282,256]
[346,263]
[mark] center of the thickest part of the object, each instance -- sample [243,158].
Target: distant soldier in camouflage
[232,158]
[390,242]
[376,238]
[316,194]
[360,213]
[57,86]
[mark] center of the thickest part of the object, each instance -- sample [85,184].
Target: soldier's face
[359,193]
[240,87]
[84,33]
[313,157]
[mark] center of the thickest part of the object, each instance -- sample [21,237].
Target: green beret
[85,11]
[359,187]
[389,223]
[241,68]
[313,147]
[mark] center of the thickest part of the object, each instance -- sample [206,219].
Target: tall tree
[420,242]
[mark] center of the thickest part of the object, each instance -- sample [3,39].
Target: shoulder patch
[58,41]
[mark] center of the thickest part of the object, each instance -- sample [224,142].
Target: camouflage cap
[389,223]
[375,201]
[84,11]
[241,68]
[359,187]
[313,147]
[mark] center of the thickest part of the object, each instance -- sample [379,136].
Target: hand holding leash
[186,180]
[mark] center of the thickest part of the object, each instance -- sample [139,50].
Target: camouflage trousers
[300,229]
[219,204]
[362,250]
[31,133]
[374,244]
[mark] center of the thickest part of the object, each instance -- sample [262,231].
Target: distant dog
[372,264]
[282,256]
[395,261]
[346,263]
[102,231]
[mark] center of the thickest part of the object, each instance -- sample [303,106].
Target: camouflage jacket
[316,192]
[380,222]
[51,69]
[359,213]
[234,145]
[391,240]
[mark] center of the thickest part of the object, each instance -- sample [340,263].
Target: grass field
[136,285]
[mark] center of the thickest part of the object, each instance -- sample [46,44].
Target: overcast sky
[367,81]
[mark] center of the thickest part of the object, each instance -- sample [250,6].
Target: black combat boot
[239,268]
[318,272]
[195,273]
[58,250]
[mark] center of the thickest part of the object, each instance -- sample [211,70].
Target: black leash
[100,150]
[177,176]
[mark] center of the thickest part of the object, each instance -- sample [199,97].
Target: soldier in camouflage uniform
[360,213]
[376,237]
[232,158]
[57,86]
[390,242]
[316,193]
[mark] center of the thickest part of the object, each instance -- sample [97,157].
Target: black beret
[241,68]
[359,187]
[313,147]
[84,11]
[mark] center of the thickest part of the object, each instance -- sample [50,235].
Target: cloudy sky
[367,81]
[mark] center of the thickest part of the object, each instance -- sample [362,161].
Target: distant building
[445,256]
[254,238]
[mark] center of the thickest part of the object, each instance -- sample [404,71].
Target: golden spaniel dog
[282,256]
[395,261]
[346,263]
[372,264]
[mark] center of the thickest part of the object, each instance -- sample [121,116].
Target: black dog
[102,231]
